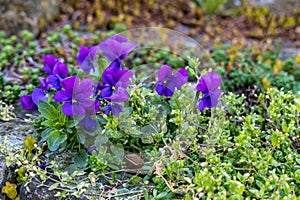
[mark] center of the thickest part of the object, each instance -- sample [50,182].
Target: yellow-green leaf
[29,143]
[10,190]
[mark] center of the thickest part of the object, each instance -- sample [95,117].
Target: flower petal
[121,95]
[117,109]
[163,90]
[209,82]
[54,82]
[62,96]
[180,78]
[60,69]
[106,92]
[50,61]
[123,78]
[164,73]
[69,83]
[38,95]
[78,109]
[27,103]
[67,109]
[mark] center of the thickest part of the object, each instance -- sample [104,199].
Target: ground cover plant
[109,117]
[121,128]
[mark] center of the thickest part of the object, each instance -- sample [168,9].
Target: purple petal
[54,82]
[126,48]
[115,65]
[88,123]
[111,49]
[85,88]
[50,61]
[123,78]
[27,103]
[121,95]
[69,83]
[106,92]
[209,100]
[180,78]
[67,109]
[214,96]
[60,69]
[209,82]
[44,84]
[62,96]
[107,109]
[108,76]
[164,73]
[87,57]
[78,109]
[38,95]
[119,38]
[116,109]
[163,90]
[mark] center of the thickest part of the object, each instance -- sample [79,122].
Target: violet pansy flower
[27,103]
[120,95]
[86,58]
[116,48]
[30,102]
[75,96]
[89,123]
[167,82]
[111,81]
[60,71]
[50,61]
[208,85]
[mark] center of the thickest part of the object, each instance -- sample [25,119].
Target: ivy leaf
[55,139]
[29,143]
[10,190]
[80,159]
[47,110]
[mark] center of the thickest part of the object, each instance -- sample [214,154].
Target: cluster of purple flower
[86,98]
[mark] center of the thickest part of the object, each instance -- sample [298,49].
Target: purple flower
[88,123]
[167,82]
[116,48]
[30,102]
[86,58]
[60,71]
[38,95]
[111,81]
[75,96]
[208,85]
[27,103]
[114,106]
[43,166]
[50,62]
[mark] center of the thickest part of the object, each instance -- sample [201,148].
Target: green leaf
[47,110]
[54,186]
[55,138]
[80,159]
[45,134]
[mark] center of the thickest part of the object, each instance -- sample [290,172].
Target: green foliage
[210,6]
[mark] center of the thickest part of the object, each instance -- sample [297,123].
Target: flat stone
[18,15]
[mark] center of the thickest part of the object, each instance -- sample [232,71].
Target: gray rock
[18,15]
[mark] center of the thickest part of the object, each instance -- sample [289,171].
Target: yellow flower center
[74,101]
[165,82]
[113,87]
